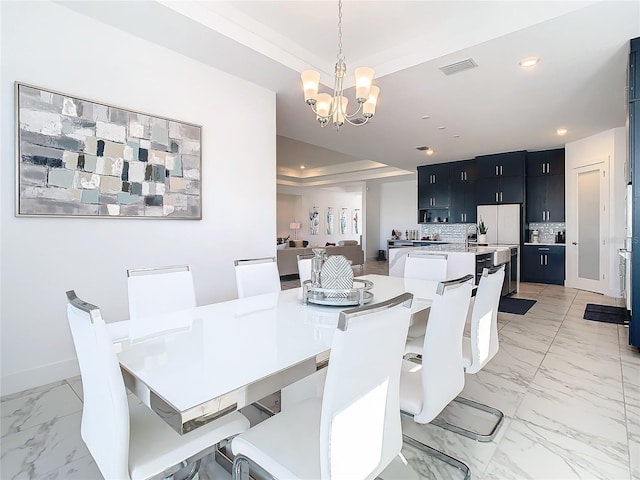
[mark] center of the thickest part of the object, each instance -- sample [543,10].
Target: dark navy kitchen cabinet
[543,264]
[462,208]
[433,186]
[500,178]
[464,171]
[545,186]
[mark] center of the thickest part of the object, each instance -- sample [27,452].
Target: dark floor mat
[606,313]
[518,306]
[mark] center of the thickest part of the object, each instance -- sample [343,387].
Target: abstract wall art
[329,220]
[81,158]
[343,221]
[314,220]
[356,219]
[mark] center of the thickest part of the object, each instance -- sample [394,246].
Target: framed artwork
[343,221]
[329,220]
[81,158]
[314,220]
[357,221]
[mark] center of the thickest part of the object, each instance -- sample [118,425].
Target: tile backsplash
[447,232]
[547,231]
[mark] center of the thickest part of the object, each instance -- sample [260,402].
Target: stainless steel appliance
[502,222]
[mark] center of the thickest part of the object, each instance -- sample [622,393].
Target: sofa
[288,257]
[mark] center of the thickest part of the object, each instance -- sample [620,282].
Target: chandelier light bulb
[364,77]
[369,108]
[310,82]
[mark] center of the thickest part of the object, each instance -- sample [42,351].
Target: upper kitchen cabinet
[547,162]
[509,164]
[433,186]
[634,75]
[462,195]
[500,178]
[545,186]
[464,171]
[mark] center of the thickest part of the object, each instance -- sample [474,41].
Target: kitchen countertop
[462,248]
[550,244]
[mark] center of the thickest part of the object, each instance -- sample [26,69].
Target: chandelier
[334,108]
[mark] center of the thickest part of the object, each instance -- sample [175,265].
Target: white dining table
[192,366]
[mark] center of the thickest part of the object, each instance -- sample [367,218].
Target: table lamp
[295,226]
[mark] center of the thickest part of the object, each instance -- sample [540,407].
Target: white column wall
[398,209]
[48,45]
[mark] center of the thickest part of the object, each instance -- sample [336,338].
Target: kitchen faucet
[466,235]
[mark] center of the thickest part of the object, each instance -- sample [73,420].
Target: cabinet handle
[543,249]
[542,167]
[546,258]
[541,260]
[497,171]
[501,193]
[496,197]
[501,170]
[465,176]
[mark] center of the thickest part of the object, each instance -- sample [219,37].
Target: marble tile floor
[569,389]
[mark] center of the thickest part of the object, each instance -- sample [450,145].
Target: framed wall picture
[356,220]
[329,220]
[82,158]
[344,222]
[314,220]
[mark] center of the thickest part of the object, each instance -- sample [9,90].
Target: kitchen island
[465,259]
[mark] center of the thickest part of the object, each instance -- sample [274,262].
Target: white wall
[372,217]
[610,146]
[50,46]
[336,197]
[398,209]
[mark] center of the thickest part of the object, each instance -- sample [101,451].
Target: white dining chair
[427,388]
[304,266]
[353,431]
[256,276]
[422,265]
[130,442]
[482,346]
[157,290]
[426,266]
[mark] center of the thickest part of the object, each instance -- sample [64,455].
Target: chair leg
[480,437]
[443,457]
[242,469]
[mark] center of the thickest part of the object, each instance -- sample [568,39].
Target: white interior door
[587,252]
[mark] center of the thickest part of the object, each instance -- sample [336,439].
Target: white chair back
[426,266]
[442,361]
[484,319]
[157,290]
[360,430]
[257,276]
[105,412]
[304,267]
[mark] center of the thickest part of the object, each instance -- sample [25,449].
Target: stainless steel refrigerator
[502,222]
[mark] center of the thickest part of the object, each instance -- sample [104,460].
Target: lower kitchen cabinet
[543,264]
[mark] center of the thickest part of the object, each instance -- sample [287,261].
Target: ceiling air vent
[459,66]
[422,149]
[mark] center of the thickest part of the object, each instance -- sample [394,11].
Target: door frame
[572,279]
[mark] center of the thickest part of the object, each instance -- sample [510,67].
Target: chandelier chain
[340,54]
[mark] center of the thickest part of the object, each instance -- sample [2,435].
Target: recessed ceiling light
[441,128]
[425,117]
[302,167]
[456,136]
[562,131]
[529,62]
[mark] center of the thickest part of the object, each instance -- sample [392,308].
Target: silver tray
[358,295]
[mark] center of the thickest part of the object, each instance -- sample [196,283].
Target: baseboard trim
[36,377]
